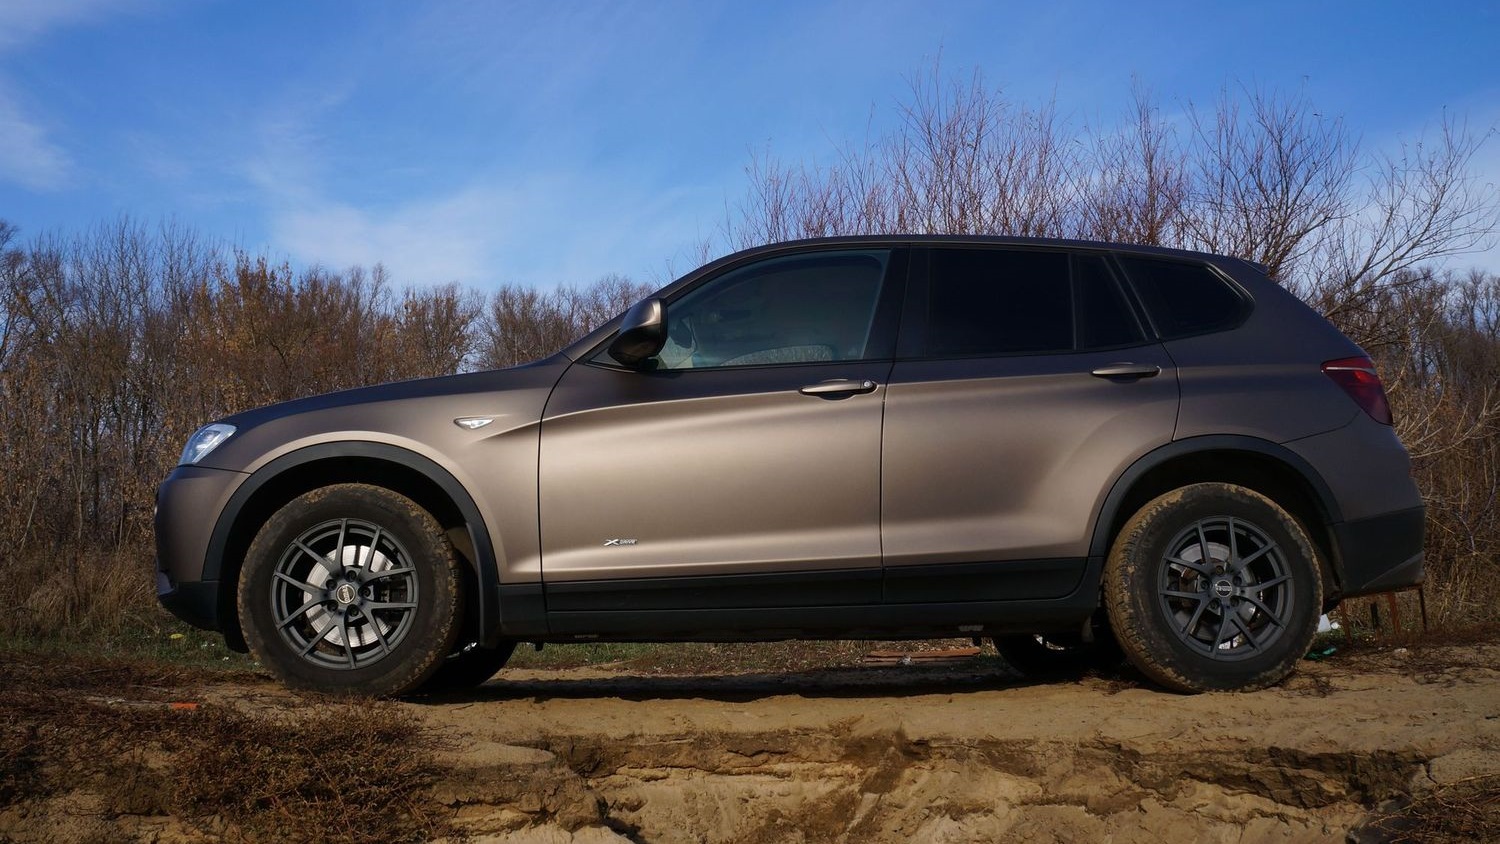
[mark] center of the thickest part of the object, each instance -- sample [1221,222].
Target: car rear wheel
[1213,587]
[352,589]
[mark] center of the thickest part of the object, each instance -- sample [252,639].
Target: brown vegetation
[130,740]
[116,343]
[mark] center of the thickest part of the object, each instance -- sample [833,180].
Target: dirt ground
[949,753]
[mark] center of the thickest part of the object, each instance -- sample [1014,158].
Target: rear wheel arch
[404,472]
[1260,465]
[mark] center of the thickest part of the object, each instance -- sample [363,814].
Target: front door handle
[839,387]
[1127,370]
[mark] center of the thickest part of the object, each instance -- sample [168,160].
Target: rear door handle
[1127,370]
[838,387]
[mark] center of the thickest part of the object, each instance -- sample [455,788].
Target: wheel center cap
[1223,588]
[345,594]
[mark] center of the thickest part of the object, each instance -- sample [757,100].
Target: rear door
[1024,385]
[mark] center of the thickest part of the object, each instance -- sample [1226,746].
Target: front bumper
[197,602]
[188,504]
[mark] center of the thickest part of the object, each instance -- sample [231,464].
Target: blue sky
[540,143]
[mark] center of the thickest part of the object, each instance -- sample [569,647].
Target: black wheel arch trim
[485,564]
[1110,511]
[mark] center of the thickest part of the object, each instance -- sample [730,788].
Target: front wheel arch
[402,471]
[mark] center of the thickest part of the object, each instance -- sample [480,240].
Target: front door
[742,467]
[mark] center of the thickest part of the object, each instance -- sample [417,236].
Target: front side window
[811,308]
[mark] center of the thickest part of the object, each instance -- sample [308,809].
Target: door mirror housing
[643,333]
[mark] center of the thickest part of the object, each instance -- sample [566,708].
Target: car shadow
[854,682]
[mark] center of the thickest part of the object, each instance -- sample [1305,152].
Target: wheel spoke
[1264,550]
[348,648]
[302,546]
[1191,596]
[301,611]
[1219,638]
[374,541]
[1234,546]
[315,640]
[374,626]
[338,550]
[1275,581]
[389,605]
[1204,556]
[315,591]
[1200,568]
[380,575]
[1249,637]
[1192,623]
[1264,610]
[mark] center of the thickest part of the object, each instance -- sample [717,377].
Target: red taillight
[1358,378]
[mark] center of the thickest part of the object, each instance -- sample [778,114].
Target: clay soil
[1376,745]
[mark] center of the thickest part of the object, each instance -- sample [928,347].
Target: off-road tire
[428,635]
[467,669]
[1144,624]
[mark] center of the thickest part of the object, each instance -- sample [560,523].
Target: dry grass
[1462,811]
[336,771]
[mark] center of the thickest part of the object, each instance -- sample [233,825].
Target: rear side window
[998,302]
[1002,302]
[1104,319]
[1183,299]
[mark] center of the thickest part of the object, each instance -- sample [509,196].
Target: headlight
[208,438]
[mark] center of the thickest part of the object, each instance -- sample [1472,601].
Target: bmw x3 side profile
[1063,446]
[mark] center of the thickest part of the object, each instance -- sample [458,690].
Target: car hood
[396,411]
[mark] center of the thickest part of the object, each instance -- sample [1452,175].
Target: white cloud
[427,241]
[27,156]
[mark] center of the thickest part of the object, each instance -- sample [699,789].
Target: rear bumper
[1381,553]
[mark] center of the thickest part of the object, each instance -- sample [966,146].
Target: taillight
[1358,378]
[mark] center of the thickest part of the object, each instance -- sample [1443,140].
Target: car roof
[972,240]
[578,347]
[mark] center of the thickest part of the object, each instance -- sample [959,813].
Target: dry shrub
[339,771]
[1461,811]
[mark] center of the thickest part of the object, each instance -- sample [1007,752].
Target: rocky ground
[958,752]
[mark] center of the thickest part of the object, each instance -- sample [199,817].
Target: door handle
[839,387]
[1127,370]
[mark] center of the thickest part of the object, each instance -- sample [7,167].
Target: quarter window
[1183,299]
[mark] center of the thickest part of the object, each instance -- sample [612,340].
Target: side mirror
[643,332]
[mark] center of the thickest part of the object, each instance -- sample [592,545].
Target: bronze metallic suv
[1053,444]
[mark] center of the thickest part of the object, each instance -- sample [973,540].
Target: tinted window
[996,302]
[798,309]
[1181,298]
[1104,318]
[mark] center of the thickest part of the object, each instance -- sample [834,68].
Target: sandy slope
[952,754]
[931,754]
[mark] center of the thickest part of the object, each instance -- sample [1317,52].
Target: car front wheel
[352,589]
[1213,587]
